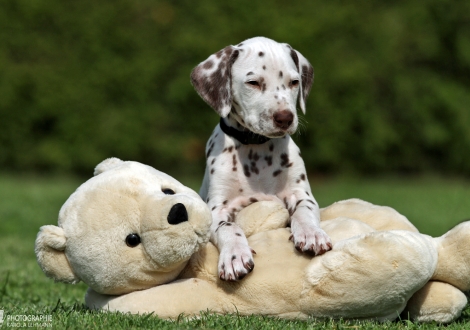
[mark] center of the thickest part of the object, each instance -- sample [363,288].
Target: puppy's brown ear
[306,72]
[212,79]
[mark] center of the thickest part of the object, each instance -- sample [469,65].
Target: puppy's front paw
[312,240]
[235,262]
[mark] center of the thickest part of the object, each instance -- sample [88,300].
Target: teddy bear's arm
[187,297]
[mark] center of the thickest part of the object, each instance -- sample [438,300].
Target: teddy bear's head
[128,228]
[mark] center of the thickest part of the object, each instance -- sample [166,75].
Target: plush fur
[138,239]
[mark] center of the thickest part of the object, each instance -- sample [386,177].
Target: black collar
[244,137]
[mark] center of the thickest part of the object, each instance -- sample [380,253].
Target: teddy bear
[139,239]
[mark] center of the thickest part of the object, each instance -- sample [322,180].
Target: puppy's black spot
[284,159]
[254,168]
[269,160]
[209,64]
[276,173]
[246,170]
[209,151]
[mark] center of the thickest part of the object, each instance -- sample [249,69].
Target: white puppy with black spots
[255,87]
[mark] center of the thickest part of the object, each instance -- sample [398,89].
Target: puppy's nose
[177,214]
[283,119]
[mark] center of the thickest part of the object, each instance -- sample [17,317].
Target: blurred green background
[81,81]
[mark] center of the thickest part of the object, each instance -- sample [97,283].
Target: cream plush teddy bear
[139,239]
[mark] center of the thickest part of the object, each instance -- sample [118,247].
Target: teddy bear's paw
[235,262]
[311,240]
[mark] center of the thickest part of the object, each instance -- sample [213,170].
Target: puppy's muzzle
[283,119]
[177,214]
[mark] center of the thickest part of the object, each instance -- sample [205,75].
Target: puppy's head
[258,82]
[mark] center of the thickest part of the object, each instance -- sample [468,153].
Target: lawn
[433,204]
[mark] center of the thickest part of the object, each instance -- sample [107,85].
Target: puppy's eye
[132,240]
[253,83]
[168,191]
[294,83]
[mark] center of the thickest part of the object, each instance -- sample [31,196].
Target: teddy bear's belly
[279,269]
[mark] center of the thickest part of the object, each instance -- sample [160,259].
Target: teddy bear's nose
[178,214]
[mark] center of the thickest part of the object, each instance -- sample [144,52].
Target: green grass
[434,205]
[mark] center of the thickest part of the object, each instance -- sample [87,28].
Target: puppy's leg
[306,234]
[235,255]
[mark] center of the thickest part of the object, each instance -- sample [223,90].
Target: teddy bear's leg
[436,301]
[369,276]
[376,216]
[343,228]
[454,257]
[442,299]
[168,301]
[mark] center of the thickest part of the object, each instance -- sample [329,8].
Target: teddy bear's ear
[49,248]
[107,164]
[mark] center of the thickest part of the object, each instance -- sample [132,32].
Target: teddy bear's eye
[132,240]
[168,191]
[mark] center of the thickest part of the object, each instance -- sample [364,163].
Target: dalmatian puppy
[254,87]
